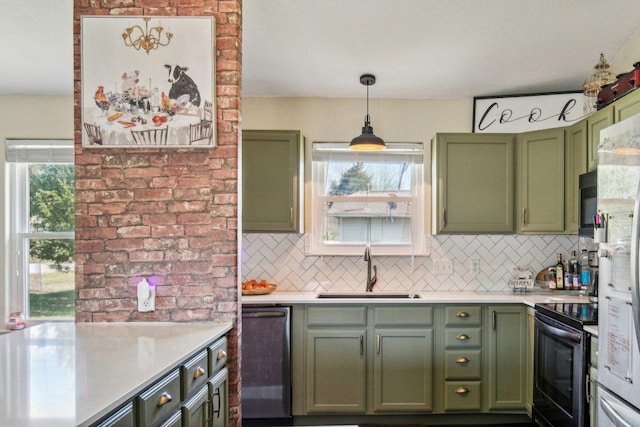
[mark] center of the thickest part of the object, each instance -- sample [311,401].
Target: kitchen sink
[367,295]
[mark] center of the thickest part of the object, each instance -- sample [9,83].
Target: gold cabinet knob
[462,359]
[198,372]
[164,399]
[221,354]
[462,390]
[462,337]
[462,314]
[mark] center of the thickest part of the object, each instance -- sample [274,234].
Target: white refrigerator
[619,294]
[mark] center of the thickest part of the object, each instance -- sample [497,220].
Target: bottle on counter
[551,278]
[574,267]
[559,273]
[585,270]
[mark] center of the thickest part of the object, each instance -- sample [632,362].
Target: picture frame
[527,112]
[148,81]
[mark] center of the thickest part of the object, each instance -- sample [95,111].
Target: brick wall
[169,215]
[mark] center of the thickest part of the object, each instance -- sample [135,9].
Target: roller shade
[39,150]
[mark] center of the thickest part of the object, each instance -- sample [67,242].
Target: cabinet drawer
[194,373]
[217,356]
[334,316]
[593,357]
[123,417]
[174,421]
[404,316]
[462,396]
[463,337]
[458,315]
[462,364]
[159,401]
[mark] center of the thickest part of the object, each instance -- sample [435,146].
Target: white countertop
[71,374]
[448,297]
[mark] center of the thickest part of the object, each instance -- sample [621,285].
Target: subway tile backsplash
[280,258]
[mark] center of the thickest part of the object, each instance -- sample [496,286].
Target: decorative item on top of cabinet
[272,181]
[473,183]
[540,165]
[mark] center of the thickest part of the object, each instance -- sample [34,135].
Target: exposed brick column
[170,214]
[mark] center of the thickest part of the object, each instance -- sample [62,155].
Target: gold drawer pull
[198,372]
[462,337]
[221,355]
[462,314]
[462,390]
[462,359]
[164,399]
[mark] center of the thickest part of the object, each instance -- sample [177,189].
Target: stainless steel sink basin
[367,295]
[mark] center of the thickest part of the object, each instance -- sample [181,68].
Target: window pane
[367,222]
[346,178]
[51,197]
[51,278]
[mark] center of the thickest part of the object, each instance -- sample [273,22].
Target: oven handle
[257,314]
[557,332]
[611,413]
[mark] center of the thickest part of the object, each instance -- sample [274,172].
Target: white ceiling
[416,48]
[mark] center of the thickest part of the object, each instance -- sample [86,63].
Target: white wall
[22,116]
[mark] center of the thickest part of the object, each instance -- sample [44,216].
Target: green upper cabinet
[540,189]
[575,161]
[272,181]
[627,106]
[473,183]
[595,123]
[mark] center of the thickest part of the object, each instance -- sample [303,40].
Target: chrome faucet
[370,280]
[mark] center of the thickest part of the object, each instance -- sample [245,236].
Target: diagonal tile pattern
[281,258]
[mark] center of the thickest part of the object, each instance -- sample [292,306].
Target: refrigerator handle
[635,279]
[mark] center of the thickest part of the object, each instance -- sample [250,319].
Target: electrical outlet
[146,296]
[442,266]
[475,266]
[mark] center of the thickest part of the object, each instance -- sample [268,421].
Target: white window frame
[420,204]
[21,154]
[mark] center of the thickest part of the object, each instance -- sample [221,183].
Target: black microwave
[587,202]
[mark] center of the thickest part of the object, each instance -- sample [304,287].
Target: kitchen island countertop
[72,374]
[437,297]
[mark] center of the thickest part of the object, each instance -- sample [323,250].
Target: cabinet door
[336,371]
[627,106]
[195,411]
[506,350]
[473,178]
[595,123]
[540,166]
[403,370]
[271,181]
[219,398]
[575,165]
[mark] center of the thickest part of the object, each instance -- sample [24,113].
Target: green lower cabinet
[506,350]
[403,370]
[336,371]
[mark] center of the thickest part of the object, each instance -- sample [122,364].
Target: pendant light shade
[367,140]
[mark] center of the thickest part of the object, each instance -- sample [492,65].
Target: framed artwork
[521,113]
[148,81]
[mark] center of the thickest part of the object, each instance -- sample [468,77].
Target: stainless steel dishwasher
[266,364]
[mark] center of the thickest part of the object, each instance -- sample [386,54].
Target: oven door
[559,397]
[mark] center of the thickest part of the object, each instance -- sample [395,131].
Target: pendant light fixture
[367,141]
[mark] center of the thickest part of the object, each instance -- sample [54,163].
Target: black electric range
[573,314]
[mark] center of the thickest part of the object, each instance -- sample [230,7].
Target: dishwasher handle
[258,314]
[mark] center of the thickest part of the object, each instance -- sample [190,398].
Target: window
[41,184]
[367,198]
